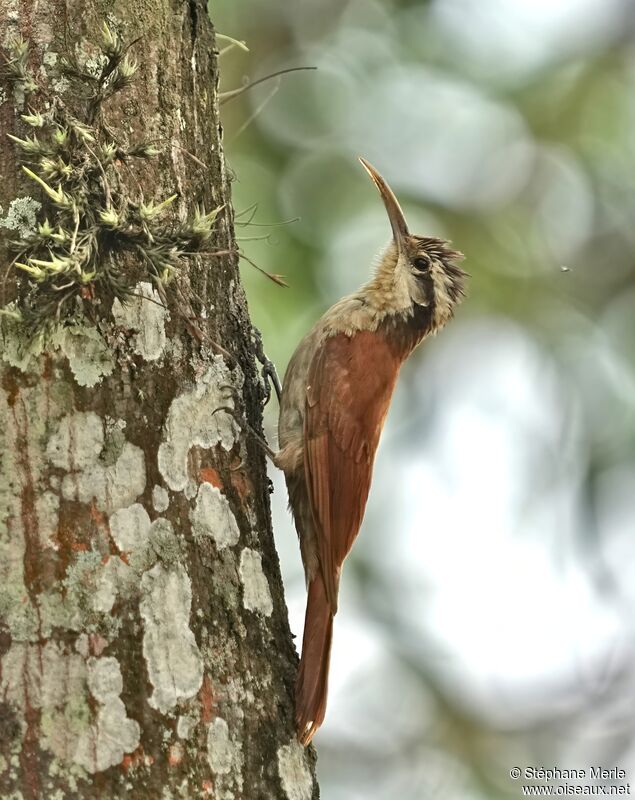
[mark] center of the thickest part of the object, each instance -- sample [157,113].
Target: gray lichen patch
[197,418]
[185,725]
[294,772]
[47,678]
[160,499]
[93,583]
[164,543]
[88,356]
[18,347]
[47,509]
[112,486]
[219,749]
[130,528]
[144,313]
[104,678]
[113,733]
[225,757]
[25,418]
[113,578]
[87,594]
[144,542]
[84,600]
[57,683]
[174,662]
[22,215]
[256,593]
[77,441]
[79,447]
[212,516]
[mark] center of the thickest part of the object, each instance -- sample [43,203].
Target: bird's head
[415,270]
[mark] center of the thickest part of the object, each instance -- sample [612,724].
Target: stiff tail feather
[312,684]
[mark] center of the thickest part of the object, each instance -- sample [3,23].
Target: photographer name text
[557,774]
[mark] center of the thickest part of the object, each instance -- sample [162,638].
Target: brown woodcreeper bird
[335,397]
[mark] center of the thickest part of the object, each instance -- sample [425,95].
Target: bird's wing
[350,383]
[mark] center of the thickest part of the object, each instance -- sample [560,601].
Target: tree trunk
[144,644]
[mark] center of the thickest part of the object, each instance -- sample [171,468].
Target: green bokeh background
[509,128]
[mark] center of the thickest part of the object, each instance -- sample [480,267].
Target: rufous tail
[312,684]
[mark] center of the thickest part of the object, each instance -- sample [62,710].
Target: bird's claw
[268,372]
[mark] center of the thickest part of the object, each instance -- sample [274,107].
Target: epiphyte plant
[97,235]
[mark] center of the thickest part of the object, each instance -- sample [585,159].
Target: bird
[335,396]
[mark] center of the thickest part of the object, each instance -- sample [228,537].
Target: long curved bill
[395,214]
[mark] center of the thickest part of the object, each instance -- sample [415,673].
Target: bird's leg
[268,451]
[268,372]
[245,426]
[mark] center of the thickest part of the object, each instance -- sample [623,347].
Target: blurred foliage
[487,616]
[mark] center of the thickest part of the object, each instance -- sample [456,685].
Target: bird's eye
[421,264]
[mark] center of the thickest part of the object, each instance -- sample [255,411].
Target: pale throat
[389,290]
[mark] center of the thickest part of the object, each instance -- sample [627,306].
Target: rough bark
[144,644]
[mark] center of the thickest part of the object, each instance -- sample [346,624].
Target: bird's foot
[268,372]
[245,426]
